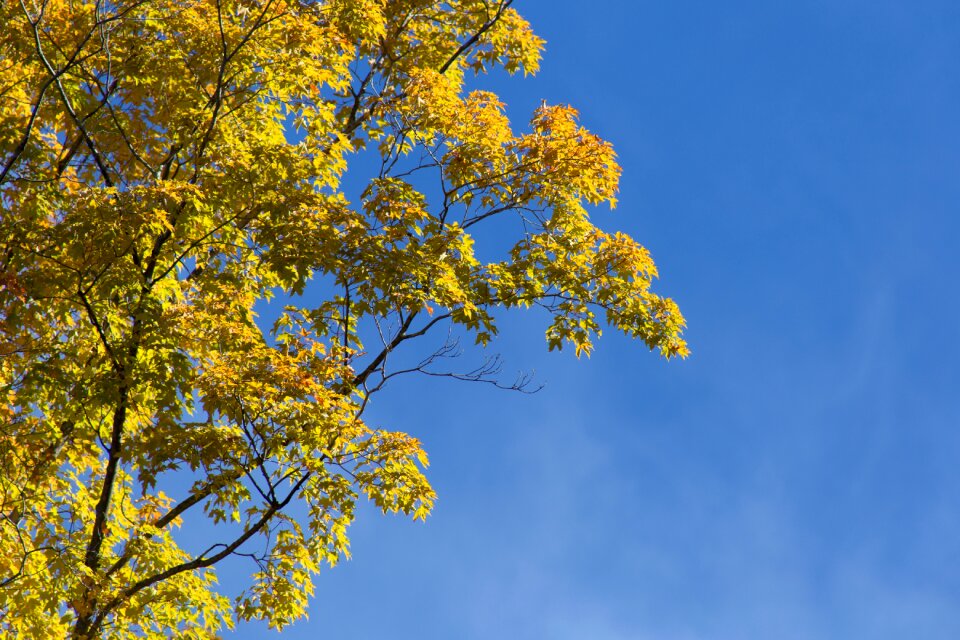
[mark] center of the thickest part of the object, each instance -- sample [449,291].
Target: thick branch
[55,75]
[202,562]
[92,554]
[475,37]
[361,377]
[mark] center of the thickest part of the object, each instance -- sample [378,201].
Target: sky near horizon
[793,169]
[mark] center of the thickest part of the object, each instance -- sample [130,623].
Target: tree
[169,164]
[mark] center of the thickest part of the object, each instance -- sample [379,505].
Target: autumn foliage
[165,166]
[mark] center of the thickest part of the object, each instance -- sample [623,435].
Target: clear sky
[794,168]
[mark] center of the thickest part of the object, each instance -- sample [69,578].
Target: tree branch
[475,37]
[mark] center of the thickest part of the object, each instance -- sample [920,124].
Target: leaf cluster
[168,165]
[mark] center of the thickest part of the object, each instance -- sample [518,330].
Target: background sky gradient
[793,168]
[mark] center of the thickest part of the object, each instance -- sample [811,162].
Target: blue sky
[793,168]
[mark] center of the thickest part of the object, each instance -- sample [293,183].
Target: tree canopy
[166,166]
